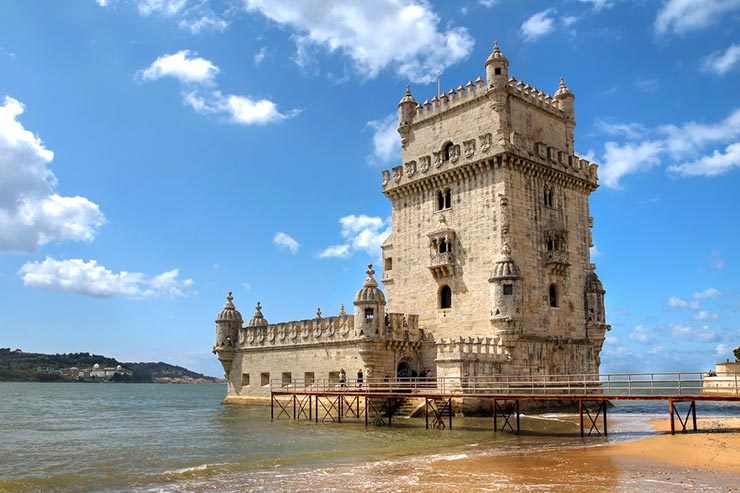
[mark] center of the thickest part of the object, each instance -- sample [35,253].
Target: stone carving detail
[304,330]
[250,336]
[317,324]
[260,337]
[426,163]
[455,153]
[438,159]
[518,141]
[386,177]
[485,142]
[281,333]
[469,148]
[397,173]
[410,168]
[271,335]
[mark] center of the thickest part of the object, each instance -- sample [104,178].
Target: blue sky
[155,154]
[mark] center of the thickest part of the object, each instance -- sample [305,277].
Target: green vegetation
[17,366]
[736,352]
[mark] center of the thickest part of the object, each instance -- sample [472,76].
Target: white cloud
[183,67]
[647,85]
[386,140]
[260,55]
[31,212]
[718,163]
[683,16]
[620,160]
[599,4]
[195,70]
[722,350]
[361,233]
[402,35]
[690,333]
[676,302]
[538,25]
[707,293]
[629,130]
[92,279]
[102,3]
[705,315]
[194,15]
[642,334]
[720,62]
[287,242]
[569,20]
[163,7]
[689,140]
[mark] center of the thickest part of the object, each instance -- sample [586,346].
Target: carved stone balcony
[442,264]
[556,260]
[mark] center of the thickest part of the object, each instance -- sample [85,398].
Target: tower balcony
[442,264]
[556,260]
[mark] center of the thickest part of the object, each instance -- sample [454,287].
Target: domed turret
[594,291]
[370,307]
[565,98]
[497,68]
[228,323]
[506,293]
[406,111]
[258,320]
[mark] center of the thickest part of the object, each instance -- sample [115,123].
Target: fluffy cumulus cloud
[642,335]
[676,302]
[386,141]
[197,76]
[722,61]
[92,279]
[400,35]
[707,293]
[182,66]
[360,233]
[538,25]
[286,242]
[31,212]
[599,4]
[683,16]
[192,15]
[689,149]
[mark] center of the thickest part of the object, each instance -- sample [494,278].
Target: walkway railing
[612,384]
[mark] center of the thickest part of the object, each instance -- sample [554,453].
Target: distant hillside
[18,366]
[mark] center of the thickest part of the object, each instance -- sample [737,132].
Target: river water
[171,438]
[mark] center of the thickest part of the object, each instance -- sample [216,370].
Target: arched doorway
[406,369]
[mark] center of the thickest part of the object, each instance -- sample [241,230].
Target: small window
[388,265]
[508,289]
[442,246]
[309,378]
[369,314]
[333,377]
[448,198]
[245,379]
[548,197]
[497,71]
[440,200]
[553,296]
[445,297]
[448,151]
[265,379]
[287,378]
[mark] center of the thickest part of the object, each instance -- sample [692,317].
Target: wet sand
[705,461]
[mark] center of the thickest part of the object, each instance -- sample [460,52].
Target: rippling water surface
[159,437]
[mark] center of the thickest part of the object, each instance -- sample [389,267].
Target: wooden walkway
[374,401]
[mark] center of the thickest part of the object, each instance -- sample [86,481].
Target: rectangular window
[508,289]
[287,378]
[388,264]
[309,378]
[265,379]
[245,379]
[369,314]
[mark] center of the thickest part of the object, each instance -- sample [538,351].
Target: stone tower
[491,229]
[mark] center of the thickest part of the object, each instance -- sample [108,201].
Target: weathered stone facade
[487,267]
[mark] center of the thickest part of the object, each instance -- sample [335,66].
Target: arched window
[448,198]
[553,296]
[548,197]
[369,314]
[440,200]
[550,245]
[442,246]
[448,151]
[445,297]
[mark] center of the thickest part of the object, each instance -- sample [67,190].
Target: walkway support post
[605,406]
[693,413]
[516,403]
[449,403]
[426,412]
[495,415]
[272,407]
[673,426]
[580,415]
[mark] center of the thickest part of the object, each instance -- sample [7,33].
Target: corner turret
[406,110]
[228,323]
[565,99]
[497,68]
[507,295]
[370,307]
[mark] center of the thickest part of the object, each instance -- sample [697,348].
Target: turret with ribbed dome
[595,312]
[258,320]
[370,307]
[506,293]
[406,111]
[228,323]
[497,68]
